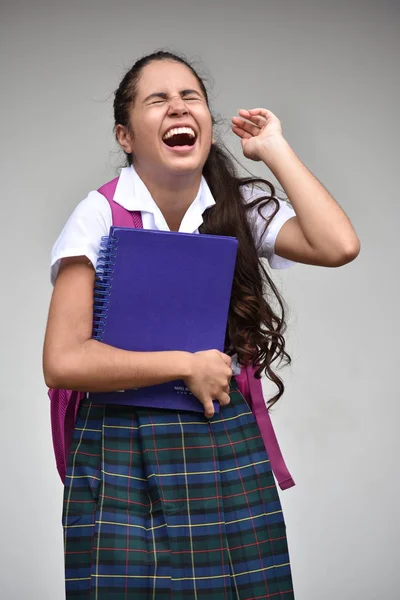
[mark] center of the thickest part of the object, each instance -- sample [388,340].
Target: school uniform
[165,504]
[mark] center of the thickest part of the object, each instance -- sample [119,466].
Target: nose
[177,106]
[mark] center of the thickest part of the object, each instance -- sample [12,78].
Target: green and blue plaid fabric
[168,505]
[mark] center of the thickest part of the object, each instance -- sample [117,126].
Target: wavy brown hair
[255,331]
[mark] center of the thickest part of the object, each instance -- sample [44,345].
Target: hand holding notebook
[160,291]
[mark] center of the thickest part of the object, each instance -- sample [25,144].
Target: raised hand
[258,129]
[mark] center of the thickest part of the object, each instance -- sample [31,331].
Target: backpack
[64,404]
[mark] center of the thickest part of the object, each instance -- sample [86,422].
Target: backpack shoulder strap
[264,422]
[64,404]
[121,217]
[251,389]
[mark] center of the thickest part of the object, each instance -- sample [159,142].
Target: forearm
[323,222]
[94,366]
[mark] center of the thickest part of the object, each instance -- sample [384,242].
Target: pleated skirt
[161,505]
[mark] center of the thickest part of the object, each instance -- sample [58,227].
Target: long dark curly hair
[255,331]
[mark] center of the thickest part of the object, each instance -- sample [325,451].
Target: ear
[124,138]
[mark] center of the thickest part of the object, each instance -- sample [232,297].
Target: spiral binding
[103,284]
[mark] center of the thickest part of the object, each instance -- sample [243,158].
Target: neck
[173,194]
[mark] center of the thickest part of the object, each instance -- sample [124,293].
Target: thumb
[208,409]
[227,359]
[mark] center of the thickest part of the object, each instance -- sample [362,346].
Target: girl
[158,503]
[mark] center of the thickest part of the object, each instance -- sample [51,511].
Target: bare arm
[72,360]
[321,233]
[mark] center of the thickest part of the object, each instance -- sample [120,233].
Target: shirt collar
[132,194]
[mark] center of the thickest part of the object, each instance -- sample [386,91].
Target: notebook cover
[156,291]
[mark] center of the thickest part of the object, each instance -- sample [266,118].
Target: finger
[268,115]
[252,128]
[227,359]
[259,120]
[224,399]
[208,408]
[241,133]
[255,118]
[249,122]
[260,111]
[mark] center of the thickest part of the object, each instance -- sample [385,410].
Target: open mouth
[180,138]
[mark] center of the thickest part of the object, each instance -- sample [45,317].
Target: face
[169,97]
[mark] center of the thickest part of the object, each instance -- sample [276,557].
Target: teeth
[179,130]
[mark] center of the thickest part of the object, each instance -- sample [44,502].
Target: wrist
[185,364]
[276,150]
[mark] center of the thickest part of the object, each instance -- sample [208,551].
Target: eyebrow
[164,96]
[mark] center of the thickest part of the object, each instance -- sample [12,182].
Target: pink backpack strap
[64,404]
[121,217]
[251,389]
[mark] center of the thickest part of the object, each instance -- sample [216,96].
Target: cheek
[145,136]
[210,127]
[210,135]
[207,127]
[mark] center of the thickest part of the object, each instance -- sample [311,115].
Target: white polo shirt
[92,219]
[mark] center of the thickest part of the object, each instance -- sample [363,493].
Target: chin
[185,167]
[186,163]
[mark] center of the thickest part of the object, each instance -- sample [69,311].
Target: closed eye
[160,101]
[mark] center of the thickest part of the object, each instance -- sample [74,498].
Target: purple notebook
[156,291]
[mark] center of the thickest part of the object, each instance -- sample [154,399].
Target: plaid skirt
[161,505]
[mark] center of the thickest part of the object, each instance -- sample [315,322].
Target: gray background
[329,70]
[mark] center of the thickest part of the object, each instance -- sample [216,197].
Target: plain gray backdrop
[330,72]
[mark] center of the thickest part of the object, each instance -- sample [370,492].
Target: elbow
[346,254]
[58,372]
[352,251]
[54,375]
[52,382]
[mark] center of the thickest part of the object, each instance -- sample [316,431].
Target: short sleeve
[265,242]
[81,235]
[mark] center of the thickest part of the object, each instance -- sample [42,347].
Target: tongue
[181,139]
